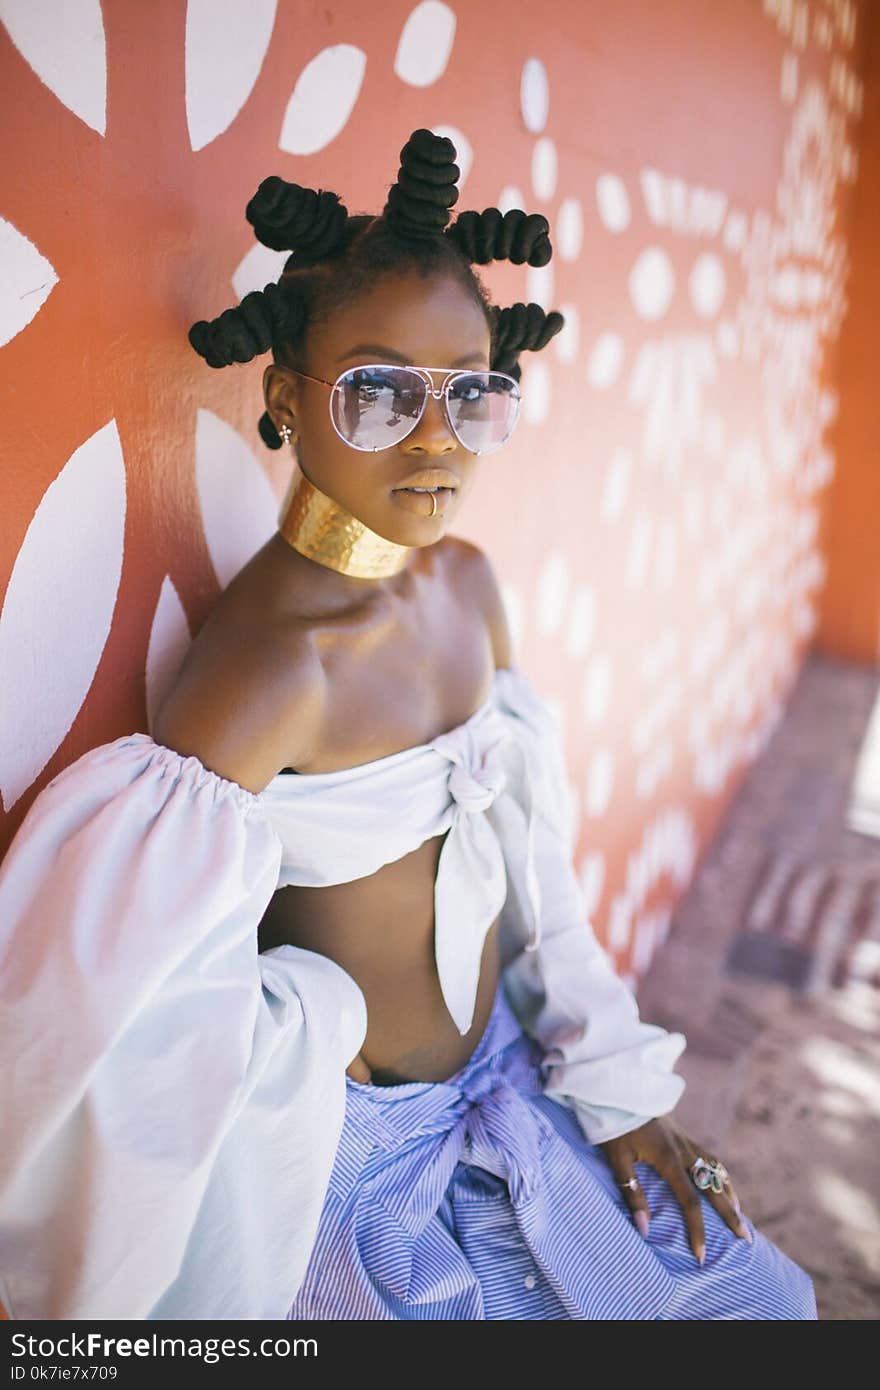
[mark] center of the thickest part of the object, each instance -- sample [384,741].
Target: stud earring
[285,432]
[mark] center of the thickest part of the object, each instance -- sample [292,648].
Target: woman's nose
[432,435]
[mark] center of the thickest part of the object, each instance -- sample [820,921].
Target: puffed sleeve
[613,1069]
[172,1099]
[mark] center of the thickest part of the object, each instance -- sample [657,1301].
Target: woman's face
[406,319]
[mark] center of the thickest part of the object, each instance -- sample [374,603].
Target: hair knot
[288,217]
[418,203]
[515,236]
[262,318]
[518,328]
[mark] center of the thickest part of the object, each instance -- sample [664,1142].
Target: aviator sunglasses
[376,406]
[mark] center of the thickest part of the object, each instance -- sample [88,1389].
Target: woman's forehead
[422,320]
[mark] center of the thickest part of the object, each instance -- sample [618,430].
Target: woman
[306,1016]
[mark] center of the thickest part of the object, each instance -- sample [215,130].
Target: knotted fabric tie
[471,883]
[488,1124]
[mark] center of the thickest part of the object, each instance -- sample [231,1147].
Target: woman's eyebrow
[388,354]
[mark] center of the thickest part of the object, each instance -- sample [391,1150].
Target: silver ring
[707,1173]
[633,1182]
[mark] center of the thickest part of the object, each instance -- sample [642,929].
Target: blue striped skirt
[480,1197]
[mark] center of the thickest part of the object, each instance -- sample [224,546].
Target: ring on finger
[631,1182]
[707,1173]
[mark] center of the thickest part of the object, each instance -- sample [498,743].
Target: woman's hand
[665,1145]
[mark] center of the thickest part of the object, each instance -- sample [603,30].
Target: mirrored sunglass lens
[483,407]
[374,407]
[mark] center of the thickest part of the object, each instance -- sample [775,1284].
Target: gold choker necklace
[325,531]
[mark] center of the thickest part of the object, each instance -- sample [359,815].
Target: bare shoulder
[472,572]
[247,700]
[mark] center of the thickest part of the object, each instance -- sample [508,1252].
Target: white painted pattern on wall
[169,642]
[26,281]
[323,99]
[425,44]
[534,95]
[58,607]
[225,44]
[238,506]
[65,46]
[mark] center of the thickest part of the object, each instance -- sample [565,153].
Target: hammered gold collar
[325,531]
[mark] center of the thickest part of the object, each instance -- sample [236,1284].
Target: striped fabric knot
[504,1135]
[490,1124]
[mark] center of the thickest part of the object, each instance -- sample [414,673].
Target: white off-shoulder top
[172,1097]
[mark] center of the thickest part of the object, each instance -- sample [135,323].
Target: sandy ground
[782,1017]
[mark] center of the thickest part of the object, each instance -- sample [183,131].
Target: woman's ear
[280,394]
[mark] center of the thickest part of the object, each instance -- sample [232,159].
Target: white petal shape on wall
[652,283]
[26,281]
[581,622]
[643,945]
[464,154]
[597,688]
[668,850]
[537,388]
[600,782]
[65,46]
[656,195]
[59,607]
[552,591]
[509,197]
[613,203]
[257,268]
[616,490]
[226,42]
[735,230]
[569,229]
[567,340]
[323,99]
[534,95]
[515,610]
[170,640]
[539,285]
[425,44]
[544,168]
[707,285]
[606,361]
[239,508]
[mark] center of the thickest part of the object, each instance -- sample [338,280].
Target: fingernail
[701,1257]
[736,1206]
[641,1220]
[744,1231]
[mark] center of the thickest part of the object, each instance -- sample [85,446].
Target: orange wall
[849,624]
[657,520]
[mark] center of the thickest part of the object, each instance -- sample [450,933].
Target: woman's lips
[422,503]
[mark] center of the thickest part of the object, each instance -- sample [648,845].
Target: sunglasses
[376,406]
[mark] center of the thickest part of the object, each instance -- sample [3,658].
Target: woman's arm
[172,1099]
[612,1068]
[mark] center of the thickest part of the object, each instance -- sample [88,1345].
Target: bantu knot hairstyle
[418,203]
[334,254]
[520,327]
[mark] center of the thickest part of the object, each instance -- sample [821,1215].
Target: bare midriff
[380,929]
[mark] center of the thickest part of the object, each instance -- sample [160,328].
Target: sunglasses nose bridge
[438,392]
